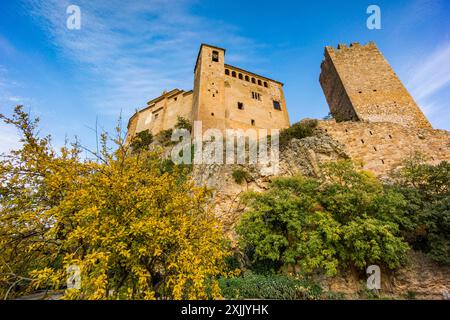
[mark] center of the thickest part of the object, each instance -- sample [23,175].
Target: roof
[150,104]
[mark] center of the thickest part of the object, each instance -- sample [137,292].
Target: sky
[127,52]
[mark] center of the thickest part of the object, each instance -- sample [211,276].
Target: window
[240,76]
[240,106]
[175,99]
[247,78]
[253,80]
[276,105]
[253,122]
[265,84]
[233,74]
[227,72]
[215,56]
[260,82]
[256,96]
[155,116]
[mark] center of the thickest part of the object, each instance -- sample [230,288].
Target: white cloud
[429,81]
[131,51]
[432,74]
[9,138]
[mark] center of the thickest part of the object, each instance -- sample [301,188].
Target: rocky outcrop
[300,156]
[421,278]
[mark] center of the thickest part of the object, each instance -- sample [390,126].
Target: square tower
[359,84]
[228,97]
[209,95]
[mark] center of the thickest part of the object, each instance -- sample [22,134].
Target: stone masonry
[224,97]
[359,84]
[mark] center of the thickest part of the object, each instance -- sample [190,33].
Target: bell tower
[208,100]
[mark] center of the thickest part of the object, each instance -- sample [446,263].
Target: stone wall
[162,113]
[383,146]
[218,88]
[359,84]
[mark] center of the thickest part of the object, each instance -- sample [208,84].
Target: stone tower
[359,84]
[209,95]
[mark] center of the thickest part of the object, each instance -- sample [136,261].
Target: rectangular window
[256,96]
[215,56]
[240,106]
[276,105]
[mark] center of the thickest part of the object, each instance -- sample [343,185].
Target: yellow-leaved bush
[135,226]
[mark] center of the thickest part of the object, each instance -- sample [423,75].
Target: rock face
[300,156]
[421,278]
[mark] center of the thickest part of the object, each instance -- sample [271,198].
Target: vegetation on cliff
[347,217]
[136,227]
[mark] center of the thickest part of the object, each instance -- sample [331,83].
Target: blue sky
[128,52]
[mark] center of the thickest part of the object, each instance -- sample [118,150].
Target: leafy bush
[426,189]
[241,175]
[183,123]
[298,130]
[324,224]
[165,137]
[276,286]
[141,141]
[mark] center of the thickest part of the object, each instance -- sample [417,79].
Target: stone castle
[224,97]
[375,119]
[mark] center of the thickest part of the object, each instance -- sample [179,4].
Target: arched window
[240,76]
[227,72]
[247,78]
[233,74]
[259,82]
[253,80]
[265,84]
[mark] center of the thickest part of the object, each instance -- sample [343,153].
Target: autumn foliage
[134,226]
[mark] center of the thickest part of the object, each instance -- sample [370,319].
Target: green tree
[329,223]
[426,189]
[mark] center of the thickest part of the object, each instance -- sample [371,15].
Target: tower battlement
[360,85]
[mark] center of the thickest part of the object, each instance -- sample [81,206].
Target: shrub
[141,141]
[298,130]
[275,286]
[323,224]
[241,175]
[183,123]
[165,137]
[426,189]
